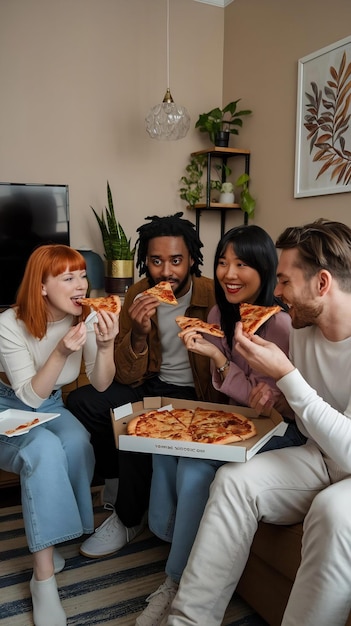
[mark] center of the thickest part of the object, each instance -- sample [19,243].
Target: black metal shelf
[224,154]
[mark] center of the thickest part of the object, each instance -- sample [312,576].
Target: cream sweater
[323,404]
[22,355]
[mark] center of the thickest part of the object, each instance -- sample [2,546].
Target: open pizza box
[266,427]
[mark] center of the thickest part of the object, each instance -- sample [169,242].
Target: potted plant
[227,193]
[220,123]
[192,189]
[119,254]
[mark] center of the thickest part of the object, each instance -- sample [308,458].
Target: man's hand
[140,312]
[262,355]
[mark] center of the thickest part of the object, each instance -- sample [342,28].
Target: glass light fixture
[167,121]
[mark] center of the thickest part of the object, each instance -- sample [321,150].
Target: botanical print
[323,141]
[327,121]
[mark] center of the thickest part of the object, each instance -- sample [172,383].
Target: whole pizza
[197,425]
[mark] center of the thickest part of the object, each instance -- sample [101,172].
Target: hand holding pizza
[140,313]
[106,322]
[262,355]
[195,342]
[106,327]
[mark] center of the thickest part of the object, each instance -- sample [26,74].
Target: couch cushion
[280,546]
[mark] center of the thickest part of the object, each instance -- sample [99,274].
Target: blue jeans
[55,462]
[179,493]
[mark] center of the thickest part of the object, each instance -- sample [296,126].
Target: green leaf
[116,244]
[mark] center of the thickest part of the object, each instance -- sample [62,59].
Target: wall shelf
[223,154]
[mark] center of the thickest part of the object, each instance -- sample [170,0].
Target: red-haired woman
[42,340]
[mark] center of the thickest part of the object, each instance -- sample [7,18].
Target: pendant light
[167,121]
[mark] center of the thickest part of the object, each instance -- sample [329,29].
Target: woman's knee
[41,451]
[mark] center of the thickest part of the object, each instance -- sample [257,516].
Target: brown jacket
[133,369]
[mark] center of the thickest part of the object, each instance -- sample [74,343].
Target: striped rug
[109,591]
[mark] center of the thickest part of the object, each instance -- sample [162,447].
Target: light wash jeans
[55,462]
[278,487]
[179,493]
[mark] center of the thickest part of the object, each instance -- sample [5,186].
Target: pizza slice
[22,426]
[253,316]
[163,292]
[186,323]
[185,416]
[220,427]
[158,424]
[110,303]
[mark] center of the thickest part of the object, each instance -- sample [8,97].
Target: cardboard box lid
[266,427]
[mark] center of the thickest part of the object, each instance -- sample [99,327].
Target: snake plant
[116,244]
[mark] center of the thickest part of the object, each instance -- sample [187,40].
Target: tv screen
[30,215]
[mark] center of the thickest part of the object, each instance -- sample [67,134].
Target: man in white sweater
[311,482]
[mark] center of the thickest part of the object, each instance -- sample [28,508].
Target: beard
[181,285]
[304,314]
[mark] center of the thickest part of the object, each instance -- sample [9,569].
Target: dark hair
[169,226]
[256,248]
[322,244]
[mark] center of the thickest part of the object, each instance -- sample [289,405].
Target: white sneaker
[159,605]
[110,537]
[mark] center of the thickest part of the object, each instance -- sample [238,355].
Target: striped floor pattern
[108,591]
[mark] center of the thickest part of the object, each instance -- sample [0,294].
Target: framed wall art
[323,135]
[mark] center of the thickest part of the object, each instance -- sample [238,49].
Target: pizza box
[241,451]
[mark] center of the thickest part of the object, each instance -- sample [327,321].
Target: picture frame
[323,136]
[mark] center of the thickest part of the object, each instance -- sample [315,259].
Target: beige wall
[78,77]
[263,41]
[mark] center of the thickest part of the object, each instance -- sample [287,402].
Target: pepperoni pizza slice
[186,323]
[159,424]
[110,303]
[163,292]
[253,316]
[220,427]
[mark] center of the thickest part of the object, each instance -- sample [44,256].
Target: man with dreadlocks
[151,360]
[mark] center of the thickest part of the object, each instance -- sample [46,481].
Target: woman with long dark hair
[245,271]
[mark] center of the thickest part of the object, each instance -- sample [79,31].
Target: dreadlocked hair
[169,226]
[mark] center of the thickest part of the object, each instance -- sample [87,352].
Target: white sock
[47,607]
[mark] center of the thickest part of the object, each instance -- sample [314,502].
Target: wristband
[224,367]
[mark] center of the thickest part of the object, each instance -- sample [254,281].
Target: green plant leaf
[218,119]
[115,242]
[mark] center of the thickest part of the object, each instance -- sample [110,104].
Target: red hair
[49,260]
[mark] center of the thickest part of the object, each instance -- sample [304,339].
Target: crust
[131,426]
